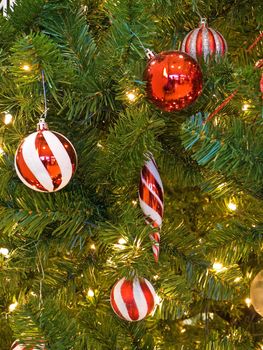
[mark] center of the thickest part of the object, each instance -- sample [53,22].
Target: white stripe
[139,299]
[205,43]
[184,43]
[193,42]
[218,46]
[32,160]
[148,211]
[150,189]
[155,250]
[61,156]
[23,180]
[17,347]
[152,168]
[119,301]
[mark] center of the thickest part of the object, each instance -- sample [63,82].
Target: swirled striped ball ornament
[17,345]
[204,42]
[256,293]
[151,200]
[45,161]
[133,300]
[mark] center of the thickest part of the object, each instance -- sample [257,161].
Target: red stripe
[150,199]
[114,305]
[222,43]
[148,296]
[188,39]
[128,298]
[48,159]
[24,170]
[155,236]
[199,42]
[212,42]
[152,182]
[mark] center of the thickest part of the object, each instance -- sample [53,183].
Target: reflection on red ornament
[173,80]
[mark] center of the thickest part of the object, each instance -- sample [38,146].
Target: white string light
[4,252]
[232,206]
[218,267]
[8,118]
[13,306]
[91,293]
[245,107]
[248,302]
[26,67]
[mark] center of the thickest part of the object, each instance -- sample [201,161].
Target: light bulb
[218,267]
[26,67]
[232,206]
[4,251]
[1,151]
[122,241]
[93,247]
[245,107]
[90,293]
[12,307]
[131,95]
[134,203]
[248,301]
[8,118]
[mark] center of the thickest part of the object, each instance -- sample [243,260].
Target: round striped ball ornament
[17,345]
[204,42]
[133,300]
[45,161]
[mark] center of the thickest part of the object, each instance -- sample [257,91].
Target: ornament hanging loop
[44,115]
[148,52]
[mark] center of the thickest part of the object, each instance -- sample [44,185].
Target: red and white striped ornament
[45,161]
[133,300]
[204,42]
[151,200]
[17,345]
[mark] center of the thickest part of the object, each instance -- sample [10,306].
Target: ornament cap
[42,124]
[203,22]
[149,54]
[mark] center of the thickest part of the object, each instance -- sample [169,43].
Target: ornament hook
[203,21]
[45,94]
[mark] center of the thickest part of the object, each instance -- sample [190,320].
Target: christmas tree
[81,66]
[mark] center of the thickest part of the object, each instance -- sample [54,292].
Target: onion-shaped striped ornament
[17,345]
[151,200]
[133,300]
[45,161]
[204,42]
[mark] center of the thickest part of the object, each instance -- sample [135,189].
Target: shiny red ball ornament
[133,300]
[204,42]
[173,80]
[45,161]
